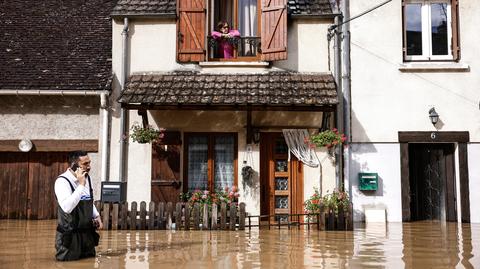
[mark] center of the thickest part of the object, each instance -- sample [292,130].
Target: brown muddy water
[29,244]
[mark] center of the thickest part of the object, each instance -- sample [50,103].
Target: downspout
[105,128]
[123,111]
[337,27]
[346,70]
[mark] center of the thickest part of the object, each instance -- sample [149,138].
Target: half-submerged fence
[183,216]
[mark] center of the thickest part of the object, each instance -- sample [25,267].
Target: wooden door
[166,184]
[432,182]
[27,184]
[281,183]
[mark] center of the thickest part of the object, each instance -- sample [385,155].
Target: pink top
[225,48]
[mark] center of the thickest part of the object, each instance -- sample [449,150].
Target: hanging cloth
[295,139]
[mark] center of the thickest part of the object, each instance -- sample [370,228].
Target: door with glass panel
[281,186]
[210,161]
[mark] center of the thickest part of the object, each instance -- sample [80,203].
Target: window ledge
[434,67]
[234,64]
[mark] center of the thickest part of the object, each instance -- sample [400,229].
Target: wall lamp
[433,115]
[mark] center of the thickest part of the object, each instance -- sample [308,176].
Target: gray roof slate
[55,45]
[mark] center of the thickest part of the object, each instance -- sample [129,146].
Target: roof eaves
[143,15]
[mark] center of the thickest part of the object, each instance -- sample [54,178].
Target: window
[261,25]
[239,19]
[210,161]
[430,30]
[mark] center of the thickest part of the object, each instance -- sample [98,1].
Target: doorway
[432,181]
[281,180]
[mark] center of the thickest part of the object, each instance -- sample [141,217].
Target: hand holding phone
[80,174]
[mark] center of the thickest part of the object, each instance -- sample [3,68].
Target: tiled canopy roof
[168,7]
[269,89]
[53,44]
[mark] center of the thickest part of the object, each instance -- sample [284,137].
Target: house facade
[221,114]
[55,76]
[421,61]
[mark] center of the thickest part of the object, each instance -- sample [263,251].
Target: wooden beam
[58,145]
[323,108]
[405,180]
[143,113]
[249,127]
[464,188]
[434,136]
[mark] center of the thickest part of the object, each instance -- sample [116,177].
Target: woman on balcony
[224,38]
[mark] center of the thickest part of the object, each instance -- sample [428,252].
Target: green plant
[204,197]
[328,138]
[312,205]
[336,200]
[147,134]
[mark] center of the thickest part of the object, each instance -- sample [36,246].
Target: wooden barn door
[27,184]
[166,184]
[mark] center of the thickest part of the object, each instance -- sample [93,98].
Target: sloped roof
[266,89]
[53,44]
[168,7]
[145,8]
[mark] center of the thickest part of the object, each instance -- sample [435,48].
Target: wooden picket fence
[325,220]
[164,216]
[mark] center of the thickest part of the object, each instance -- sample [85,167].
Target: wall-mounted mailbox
[114,192]
[368,181]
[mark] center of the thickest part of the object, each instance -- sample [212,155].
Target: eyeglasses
[225,27]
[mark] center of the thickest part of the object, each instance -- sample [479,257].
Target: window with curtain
[210,161]
[430,30]
[240,15]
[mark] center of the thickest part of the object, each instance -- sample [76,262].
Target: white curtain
[247,17]
[224,160]
[198,163]
[295,139]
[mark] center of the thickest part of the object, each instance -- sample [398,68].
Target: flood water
[29,244]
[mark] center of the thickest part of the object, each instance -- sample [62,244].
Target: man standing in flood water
[78,218]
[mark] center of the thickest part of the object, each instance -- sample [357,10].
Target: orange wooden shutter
[455,36]
[191,30]
[274,30]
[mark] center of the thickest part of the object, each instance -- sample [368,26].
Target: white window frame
[427,31]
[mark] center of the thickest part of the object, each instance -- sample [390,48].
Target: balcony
[245,48]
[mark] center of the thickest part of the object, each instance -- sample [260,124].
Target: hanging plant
[328,138]
[145,135]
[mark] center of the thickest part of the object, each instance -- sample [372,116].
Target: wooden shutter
[455,36]
[191,30]
[274,30]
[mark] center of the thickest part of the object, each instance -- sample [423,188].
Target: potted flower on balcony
[146,134]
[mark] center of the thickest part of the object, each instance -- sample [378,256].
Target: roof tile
[287,88]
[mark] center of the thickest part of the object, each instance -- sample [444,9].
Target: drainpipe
[105,144]
[346,91]
[105,115]
[123,111]
[337,28]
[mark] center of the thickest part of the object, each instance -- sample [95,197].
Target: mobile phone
[74,167]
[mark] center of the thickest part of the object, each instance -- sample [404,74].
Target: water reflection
[29,244]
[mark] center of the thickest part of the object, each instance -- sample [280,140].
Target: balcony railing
[245,46]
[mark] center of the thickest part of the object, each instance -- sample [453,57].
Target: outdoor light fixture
[256,136]
[433,115]
[25,145]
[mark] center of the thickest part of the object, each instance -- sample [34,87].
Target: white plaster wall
[153,46]
[386,100]
[474,181]
[49,123]
[307,46]
[383,159]
[139,160]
